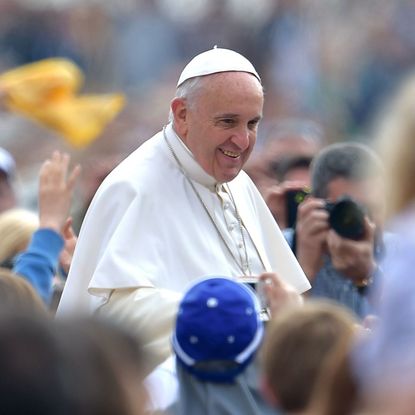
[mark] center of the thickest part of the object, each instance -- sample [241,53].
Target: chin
[227,177]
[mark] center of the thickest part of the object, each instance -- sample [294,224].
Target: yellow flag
[45,91]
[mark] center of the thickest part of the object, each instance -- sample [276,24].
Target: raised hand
[55,191]
[70,239]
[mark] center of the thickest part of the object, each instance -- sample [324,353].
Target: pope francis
[180,207]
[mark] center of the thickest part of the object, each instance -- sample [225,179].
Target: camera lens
[347,218]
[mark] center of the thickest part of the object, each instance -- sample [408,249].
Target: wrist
[309,267]
[366,278]
[50,224]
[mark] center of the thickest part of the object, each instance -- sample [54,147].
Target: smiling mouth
[230,154]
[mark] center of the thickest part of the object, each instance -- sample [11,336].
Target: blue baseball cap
[218,329]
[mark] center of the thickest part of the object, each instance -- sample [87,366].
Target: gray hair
[188,90]
[349,161]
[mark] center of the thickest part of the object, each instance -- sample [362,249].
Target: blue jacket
[39,263]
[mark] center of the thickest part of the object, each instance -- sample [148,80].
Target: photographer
[342,268]
[283,163]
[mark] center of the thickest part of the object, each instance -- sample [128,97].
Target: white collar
[192,168]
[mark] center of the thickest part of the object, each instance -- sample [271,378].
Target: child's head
[16,294]
[298,343]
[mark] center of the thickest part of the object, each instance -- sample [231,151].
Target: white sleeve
[148,313]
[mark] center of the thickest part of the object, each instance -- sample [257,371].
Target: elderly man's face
[220,125]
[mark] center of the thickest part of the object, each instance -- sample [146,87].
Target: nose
[241,138]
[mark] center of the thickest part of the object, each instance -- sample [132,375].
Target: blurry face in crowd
[392,401]
[368,192]
[7,196]
[219,124]
[300,175]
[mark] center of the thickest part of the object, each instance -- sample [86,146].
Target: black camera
[346,217]
[292,199]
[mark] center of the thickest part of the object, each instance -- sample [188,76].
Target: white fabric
[216,60]
[148,313]
[162,386]
[146,228]
[227,219]
[7,164]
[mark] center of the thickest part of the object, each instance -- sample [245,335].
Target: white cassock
[147,235]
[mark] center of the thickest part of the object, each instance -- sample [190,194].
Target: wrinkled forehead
[237,95]
[227,86]
[238,78]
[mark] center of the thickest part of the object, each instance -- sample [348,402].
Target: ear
[180,112]
[267,392]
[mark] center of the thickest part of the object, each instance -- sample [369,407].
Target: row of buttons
[227,205]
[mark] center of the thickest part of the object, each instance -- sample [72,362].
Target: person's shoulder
[140,169]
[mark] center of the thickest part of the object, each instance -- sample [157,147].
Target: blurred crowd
[326,60]
[338,119]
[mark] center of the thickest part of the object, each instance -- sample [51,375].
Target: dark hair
[282,167]
[65,367]
[350,161]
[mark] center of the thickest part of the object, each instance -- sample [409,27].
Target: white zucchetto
[216,60]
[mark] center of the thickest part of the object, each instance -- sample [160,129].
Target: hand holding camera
[354,258]
[283,200]
[340,228]
[312,227]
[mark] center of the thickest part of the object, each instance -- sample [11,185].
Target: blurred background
[329,61]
